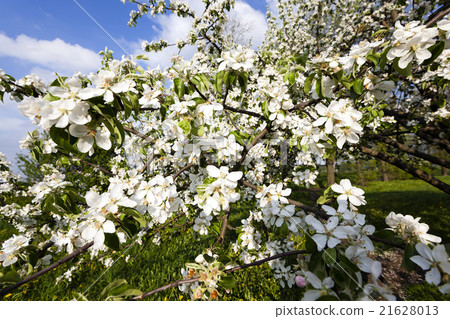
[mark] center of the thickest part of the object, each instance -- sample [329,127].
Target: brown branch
[182,170]
[229,108]
[407,168]
[262,261]
[442,143]
[410,150]
[305,207]
[6,290]
[171,285]
[137,133]
[249,146]
[438,15]
[193,280]
[93,165]
[303,105]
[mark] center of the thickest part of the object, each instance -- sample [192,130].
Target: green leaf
[372,58]
[388,235]
[436,50]
[241,137]
[290,77]
[243,80]
[185,125]
[230,79]
[112,285]
[308,83]
[315,261]
[124,291]
[227,281]
[218,82]
[329,256]
[134,99]
[406,71]
[358,86]
[209,259]
[407,263]
[319,88]
[198,131]
[322,200]
[64,139]
[136,215]
[383,58]
[179,87]
[310,244]
[347,83]
[265,109]
[10,276]
[130,227]
[112,241]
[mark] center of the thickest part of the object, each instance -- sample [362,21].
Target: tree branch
[229,108]
[193,280]
[438,15]
[182,170]
[93,165]
[137,133]
[6,290]
[407,168]
[410,150]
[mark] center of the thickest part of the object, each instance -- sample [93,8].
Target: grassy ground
[411,197]
[156,265]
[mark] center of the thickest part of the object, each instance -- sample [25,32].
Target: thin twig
[182,170]
[43,271]
[193,280]
[93,165]
[438,15]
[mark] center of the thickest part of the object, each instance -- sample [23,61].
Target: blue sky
[49,36]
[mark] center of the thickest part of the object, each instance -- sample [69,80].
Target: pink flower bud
[300,281]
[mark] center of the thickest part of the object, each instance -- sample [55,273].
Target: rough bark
[407,168]
[330,171]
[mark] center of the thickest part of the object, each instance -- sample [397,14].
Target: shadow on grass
[431,206]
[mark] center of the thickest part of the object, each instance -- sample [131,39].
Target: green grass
[409,197]
[156,265]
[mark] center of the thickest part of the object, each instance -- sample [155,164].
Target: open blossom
[411,40]
[240,58]
[105,85]
[322,288]
[434,260]
[358,54]
[444,25]
[87,137]
[220,193]
[150,97]
[68,108]
[329,234]
[95,228]
[349,192]
[8,253]
[407,226]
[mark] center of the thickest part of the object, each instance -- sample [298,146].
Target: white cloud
[254,18]
[56,54]
[13,127]
[171,28]
[273,6]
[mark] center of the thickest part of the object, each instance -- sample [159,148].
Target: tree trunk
[361,180]
[444,171]
[383,170]
[330,171]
